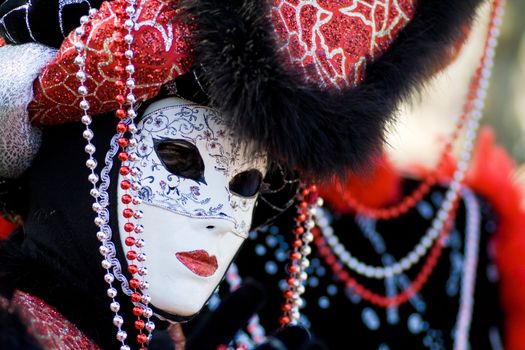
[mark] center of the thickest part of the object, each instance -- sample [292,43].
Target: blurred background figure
[439,105]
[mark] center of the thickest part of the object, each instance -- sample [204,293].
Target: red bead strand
[409,202]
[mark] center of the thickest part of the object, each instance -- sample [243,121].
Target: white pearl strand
[307,237]
[461,341]
[102,218]
[470,266]
[421,249]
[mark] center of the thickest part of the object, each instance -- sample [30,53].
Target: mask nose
[218,225]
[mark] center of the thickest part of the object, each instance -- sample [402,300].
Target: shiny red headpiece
[313,83]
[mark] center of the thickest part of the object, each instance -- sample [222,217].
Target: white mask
[199,187]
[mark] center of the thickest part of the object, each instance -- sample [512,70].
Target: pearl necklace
[470,266]
[445,211]
[107,248]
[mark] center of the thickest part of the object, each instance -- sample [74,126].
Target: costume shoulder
[13,333]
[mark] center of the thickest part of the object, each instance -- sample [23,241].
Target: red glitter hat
[312,82]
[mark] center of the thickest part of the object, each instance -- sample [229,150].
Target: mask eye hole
[181,158]
[246,183]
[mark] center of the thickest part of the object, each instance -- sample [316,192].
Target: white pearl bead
[80,31]
[86,120]
[109,278]
[84,105]
[125,347]
[131,98]
[112,292]
[413,258]
[143,271]
[93,178]
[128,38]
[90,149]
[82,90]
[101,236]
[88,135]
[306,250]
[92,12]
[148,312]
[94,193]
[131,113]
[103,250]
[106,264]
[96,207]
[78,46]
[84,19]
[150,326]
[146,299]
[308,237]
[114,306]
[91,163]
[130,83]
[122,335]
[79,61]
[118,321]
[81,76]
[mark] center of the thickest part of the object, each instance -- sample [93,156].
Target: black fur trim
[322,133]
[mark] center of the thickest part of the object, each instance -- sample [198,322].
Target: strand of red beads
[102,219]
[307,202]
[131,183]
[409,201]
[404,296]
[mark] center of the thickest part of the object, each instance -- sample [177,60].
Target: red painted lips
[199,262]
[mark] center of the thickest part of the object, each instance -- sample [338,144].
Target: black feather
[321,133]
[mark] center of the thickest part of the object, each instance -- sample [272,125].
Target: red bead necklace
[409,201]
[377,299]
[298,256]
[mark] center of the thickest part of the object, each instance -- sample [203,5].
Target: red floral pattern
[162,52]
[330,42]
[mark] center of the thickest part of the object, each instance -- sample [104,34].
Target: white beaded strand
[421,249]
[470,266]
[101,218]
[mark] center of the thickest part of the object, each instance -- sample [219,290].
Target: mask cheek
[242,213]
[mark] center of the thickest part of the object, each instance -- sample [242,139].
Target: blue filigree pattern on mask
[223,157]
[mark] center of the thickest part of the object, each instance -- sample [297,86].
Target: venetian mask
[199,188]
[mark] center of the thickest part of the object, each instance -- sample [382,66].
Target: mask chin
[174,318]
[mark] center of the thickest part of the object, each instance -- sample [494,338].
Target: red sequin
[330,42]
[162,52]
[50,329]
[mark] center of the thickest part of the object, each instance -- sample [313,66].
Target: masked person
[163,197]
[428,260]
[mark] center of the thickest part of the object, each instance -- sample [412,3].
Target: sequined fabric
[19,141]
[161,53]
[51,330]
[330,42]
